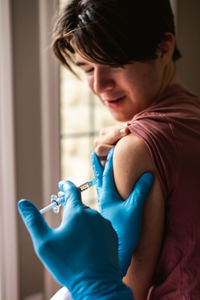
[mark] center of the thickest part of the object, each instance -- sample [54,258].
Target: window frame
[50,119]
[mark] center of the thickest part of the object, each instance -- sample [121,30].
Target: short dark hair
[112,32]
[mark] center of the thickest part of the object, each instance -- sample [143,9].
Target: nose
[103,80]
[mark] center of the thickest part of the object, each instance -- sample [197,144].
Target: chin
[122,117]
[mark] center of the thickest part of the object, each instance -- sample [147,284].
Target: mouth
[114,103]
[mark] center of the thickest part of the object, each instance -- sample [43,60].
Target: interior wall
[8,229]
[27,133]
[188,36]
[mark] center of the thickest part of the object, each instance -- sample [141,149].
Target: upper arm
[131,159]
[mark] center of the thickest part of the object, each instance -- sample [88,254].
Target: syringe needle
[83,187]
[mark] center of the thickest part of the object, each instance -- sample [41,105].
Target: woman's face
[125,90]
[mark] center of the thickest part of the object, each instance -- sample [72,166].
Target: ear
[166,47]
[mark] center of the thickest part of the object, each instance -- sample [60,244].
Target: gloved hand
[81,253]
[125,216]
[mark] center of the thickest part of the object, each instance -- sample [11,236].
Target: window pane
[74,104]
[75,164]
[82,115]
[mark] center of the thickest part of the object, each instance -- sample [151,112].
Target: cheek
[90,82]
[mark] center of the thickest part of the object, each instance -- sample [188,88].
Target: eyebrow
[80,64]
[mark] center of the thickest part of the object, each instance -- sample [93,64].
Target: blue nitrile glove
[125,216]
[81,253]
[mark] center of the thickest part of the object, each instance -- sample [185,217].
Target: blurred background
[48,121]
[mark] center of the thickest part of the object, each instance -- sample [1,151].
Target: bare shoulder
[131,159]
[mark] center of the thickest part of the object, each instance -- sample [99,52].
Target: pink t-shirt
[170,128]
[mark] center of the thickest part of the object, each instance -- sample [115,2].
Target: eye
[89,70]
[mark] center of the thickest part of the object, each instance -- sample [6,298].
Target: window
[82,115]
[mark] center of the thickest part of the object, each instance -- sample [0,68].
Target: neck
[169,78]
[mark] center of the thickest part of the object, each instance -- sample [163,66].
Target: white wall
[36,116]
[8,230]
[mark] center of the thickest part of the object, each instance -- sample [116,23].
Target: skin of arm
[131,159]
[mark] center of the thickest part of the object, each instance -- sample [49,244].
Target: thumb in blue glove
[81,253]
[125,216]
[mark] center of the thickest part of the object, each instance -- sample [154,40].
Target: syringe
[57,201]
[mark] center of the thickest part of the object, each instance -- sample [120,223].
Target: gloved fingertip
[71,192]
[96,165]
[32,219]
[68,186]
[148,179]
[60,184]
[109,163]
[142,188]
[24,207]
[22,202]
[94,158]
[110,154]
[65,185]
[93,155]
